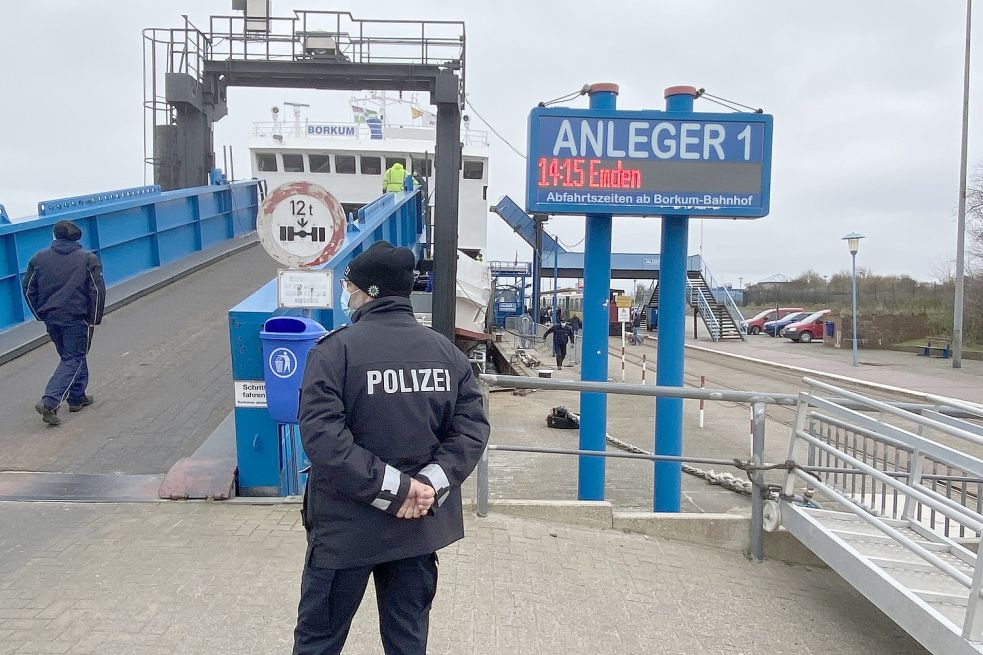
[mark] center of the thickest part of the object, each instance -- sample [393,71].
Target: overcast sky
[866,98]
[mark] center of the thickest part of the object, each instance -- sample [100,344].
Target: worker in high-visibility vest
[393,179]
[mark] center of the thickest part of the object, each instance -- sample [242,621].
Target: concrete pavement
[194,578]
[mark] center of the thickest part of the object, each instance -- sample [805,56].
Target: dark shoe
[86,401]
[49,416]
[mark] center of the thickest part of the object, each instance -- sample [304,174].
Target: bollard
[703,381]
[645,367]
[757,481]
[482,504]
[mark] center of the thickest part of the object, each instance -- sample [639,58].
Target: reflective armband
[390,489]
[437,479]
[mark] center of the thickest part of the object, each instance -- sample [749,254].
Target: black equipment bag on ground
[563,419]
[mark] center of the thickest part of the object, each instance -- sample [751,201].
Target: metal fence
[894,470]
[957,480]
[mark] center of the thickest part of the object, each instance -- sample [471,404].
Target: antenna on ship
[296,107]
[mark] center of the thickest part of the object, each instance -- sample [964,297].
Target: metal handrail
[266,128]
[729,304]
[706,311]
[890,409]
[758,401]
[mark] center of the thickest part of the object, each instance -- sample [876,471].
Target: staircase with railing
[720,314]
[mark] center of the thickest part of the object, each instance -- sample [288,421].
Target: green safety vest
[393,179]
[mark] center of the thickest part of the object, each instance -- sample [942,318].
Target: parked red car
[809,328]
[754,325]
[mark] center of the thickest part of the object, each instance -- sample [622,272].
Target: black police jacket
[64,283]
[382,400]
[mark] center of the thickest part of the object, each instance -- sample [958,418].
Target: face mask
[345,297]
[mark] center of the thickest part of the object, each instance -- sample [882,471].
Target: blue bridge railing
[132,231]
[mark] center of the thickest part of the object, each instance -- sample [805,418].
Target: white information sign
[624,314]
[250,393]
[305,288]
[300,225]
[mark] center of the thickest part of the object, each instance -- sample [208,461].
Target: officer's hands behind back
[418,501]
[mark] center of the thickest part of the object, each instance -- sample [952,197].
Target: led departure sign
[645,163]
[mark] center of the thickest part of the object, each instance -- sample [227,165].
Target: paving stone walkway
[196,578]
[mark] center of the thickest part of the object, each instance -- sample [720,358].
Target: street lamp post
[853,241]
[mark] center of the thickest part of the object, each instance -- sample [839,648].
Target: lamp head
[853,241]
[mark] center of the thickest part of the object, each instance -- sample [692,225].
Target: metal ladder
[897,513]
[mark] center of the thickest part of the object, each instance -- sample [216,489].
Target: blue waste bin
[830,328]
[286,340]
[652,322]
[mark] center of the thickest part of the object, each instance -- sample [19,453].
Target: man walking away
[64,288]
[561,334]
[393,178]
[393,421]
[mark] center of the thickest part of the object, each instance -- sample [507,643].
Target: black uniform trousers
[329,598]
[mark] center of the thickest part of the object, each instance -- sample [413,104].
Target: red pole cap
[681,90]
[605,86]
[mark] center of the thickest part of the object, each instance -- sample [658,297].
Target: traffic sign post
[675,164]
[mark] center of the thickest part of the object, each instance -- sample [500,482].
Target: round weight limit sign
[300,224]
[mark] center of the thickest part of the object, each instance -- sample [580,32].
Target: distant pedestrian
[636,322]
[561,335]
[64,288]
[575,324]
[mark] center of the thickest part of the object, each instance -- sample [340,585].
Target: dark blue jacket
[561,334]
[382,400]
[64,283]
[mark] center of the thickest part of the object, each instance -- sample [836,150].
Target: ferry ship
[349,160]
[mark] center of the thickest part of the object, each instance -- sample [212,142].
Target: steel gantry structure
[188,72]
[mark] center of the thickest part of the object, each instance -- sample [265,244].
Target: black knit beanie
[67,230]
[383,270]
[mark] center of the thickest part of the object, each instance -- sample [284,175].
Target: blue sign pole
[597,289]
[672,337]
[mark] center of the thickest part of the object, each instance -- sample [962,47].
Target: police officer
[392,420]
[64,288]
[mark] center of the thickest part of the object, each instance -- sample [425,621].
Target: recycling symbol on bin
[300,224]
[283,362]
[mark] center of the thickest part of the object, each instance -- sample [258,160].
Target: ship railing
[268,128]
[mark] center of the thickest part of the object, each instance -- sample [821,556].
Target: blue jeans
[329,598]
[70,379]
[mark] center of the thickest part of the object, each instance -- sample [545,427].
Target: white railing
[729,304]
[699,300]
[358,131]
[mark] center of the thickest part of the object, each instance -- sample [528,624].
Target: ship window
[266,162]
[473,170]
[320,163]
[422,167]
[293,163]
[344,164]
[392,161]
[371,165]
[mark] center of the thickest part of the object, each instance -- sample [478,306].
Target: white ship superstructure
[349,159]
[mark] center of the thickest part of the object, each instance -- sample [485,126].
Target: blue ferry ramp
[159,363]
